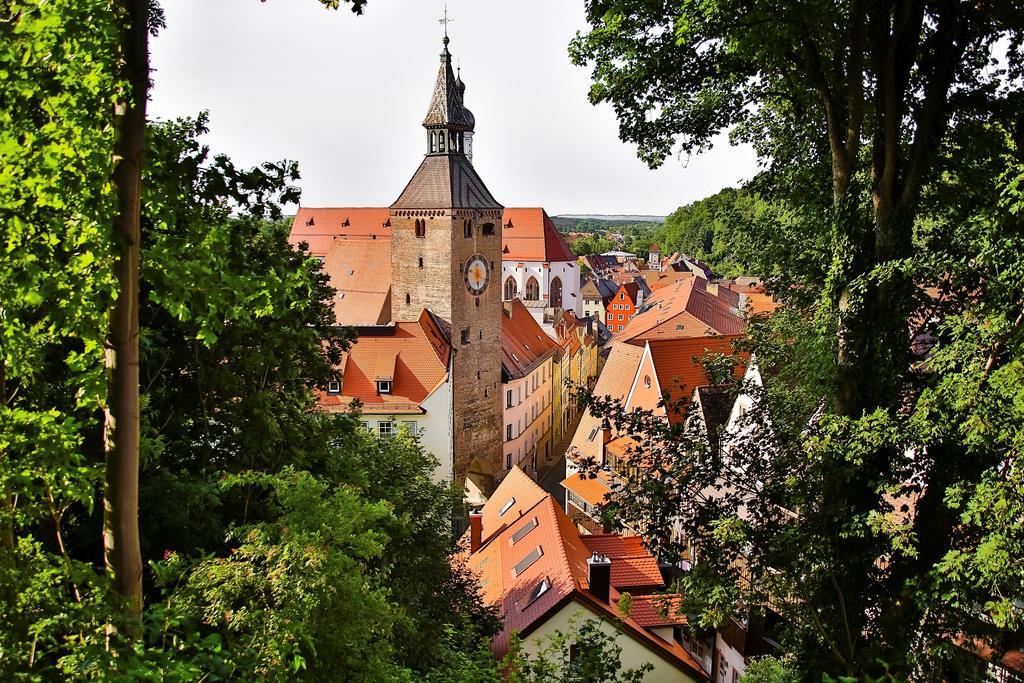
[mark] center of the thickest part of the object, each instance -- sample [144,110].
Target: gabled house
[543,575]
[527,382]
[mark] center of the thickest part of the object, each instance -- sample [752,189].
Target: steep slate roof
[562,562]
[530,235]
[414,355]
[360,271]
[446,108]
[685,309]
[321,227]
[524,344]
[446,181]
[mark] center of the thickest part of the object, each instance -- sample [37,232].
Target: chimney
[476,531]
[600,576]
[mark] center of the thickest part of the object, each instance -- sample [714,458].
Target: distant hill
[610,219]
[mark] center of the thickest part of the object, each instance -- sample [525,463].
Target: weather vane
[446,20]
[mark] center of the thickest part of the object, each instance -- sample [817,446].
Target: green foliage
[873,495]
[585,654]
[770,670]
[727,231]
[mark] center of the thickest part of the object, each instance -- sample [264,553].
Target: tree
[889,133]
[137,20]
[585,653]
[718,231]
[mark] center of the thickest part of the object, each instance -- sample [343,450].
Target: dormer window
[334,387]
[383,386]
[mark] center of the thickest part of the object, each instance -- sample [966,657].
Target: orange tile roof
[685,309]
[413,353]
[321,227]
[530,235]
[524,343]
[619,371]
[561,561]
[657,610]
[591,490]
[632,565]
[360,271]
[677,363]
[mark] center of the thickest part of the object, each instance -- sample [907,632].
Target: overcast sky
[345,96]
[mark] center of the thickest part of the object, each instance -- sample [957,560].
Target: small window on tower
[488,228]
[433,141]
[440,142]
[467,228]
[408,299]
[421,227]
[465,336]
[421,261]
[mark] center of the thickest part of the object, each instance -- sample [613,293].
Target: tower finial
[444,22]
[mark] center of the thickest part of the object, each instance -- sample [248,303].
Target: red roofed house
[400,376]
[545,576]
[527,372]
[623,305]
[536,263]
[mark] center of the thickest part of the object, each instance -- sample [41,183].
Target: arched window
[556,293]
[421,227]
[467,228]
[440,142]
[433,142]
[532,289]
[510,288]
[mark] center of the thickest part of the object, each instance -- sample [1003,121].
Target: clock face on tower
[477,274]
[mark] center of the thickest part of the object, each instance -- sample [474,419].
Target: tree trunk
[7,549]
[121,551]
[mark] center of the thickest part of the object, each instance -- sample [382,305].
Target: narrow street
[551,478]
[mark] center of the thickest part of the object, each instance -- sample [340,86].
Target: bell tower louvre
[446,257]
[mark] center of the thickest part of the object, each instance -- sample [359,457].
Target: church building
[416,281]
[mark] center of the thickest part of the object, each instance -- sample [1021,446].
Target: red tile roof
[360,271]
[657,610]
[524,344]
[321,227]
[677,362]
[530,235]
[619,371]
[414,355]
[684,309]
[632,565]
[561,561]
[591,490]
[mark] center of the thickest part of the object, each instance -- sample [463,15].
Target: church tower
[446,257]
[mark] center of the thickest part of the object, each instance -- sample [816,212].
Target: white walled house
[400,376]
[536,263]
[527,354]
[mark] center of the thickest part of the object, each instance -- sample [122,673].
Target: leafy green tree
[133,23]
[769,670]
[890,135]
[586,653]
[721,231]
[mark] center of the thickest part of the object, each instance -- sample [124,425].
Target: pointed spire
[446,110]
